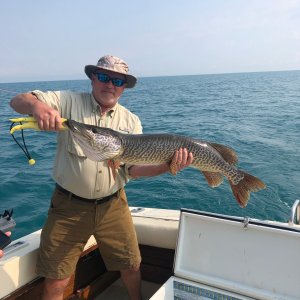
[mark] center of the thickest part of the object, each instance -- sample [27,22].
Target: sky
[54,40]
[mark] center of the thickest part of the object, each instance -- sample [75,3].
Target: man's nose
[110,84]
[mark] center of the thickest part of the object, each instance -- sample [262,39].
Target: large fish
[214,160]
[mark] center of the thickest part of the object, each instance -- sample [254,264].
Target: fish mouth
[82,133]
[76,127]
[79,130]
[70,124]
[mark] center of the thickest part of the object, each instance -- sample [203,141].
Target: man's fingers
[184,157]
[190,158]
[59,123]
[181,159]
[53,123]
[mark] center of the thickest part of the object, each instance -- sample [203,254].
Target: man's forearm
[24,103]
[148,170]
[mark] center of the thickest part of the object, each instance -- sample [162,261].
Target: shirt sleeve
[50,98]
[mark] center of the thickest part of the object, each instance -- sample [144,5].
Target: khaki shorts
[69,225]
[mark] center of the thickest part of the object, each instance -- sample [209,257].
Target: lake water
[257,114]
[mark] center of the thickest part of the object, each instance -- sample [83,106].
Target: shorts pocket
[59,200]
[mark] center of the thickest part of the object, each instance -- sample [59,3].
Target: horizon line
[152,76]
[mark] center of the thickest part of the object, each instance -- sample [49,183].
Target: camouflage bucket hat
[113,64]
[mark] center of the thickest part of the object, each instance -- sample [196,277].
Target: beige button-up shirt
[72,169]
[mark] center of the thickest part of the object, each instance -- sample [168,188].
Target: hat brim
[91,69]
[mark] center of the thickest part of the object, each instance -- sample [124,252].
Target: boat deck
[117,291]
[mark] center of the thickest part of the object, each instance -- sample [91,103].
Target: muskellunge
[214,160]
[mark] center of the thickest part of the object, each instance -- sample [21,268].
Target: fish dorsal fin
[228,154]
[213,179]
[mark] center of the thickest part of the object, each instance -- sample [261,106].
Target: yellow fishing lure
[26,123]
[29,123]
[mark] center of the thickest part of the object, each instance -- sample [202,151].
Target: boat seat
[154,225]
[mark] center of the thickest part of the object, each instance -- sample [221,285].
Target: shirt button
[97,191]
[100,171]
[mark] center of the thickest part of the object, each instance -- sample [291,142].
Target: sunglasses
[105,79]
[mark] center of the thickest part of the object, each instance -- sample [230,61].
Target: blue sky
[54,40]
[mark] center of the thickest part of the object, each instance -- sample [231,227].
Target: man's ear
[93,78]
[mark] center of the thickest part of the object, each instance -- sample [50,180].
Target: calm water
[255,113]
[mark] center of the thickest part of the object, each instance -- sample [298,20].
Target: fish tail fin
[249,183]
[228,154]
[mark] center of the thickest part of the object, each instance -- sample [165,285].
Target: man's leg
[132,281]
[54,288]
[68,227]
[118,244]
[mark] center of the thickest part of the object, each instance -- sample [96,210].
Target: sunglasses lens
[103,77]
[118,82]
[115,81]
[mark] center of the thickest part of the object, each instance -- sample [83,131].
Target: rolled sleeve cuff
[126,169]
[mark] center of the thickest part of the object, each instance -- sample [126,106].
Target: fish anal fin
[228,154]
[213,179]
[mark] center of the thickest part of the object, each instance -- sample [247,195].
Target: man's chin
[107,102]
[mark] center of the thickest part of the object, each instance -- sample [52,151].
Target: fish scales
[160,148]
[149,149]
[213,160]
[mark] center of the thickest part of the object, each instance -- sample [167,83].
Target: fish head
[97,143]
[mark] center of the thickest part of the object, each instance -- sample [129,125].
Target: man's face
[106,94]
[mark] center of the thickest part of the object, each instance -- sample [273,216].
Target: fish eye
[94,130]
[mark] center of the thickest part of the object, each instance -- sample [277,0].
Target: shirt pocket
[74,148]
[123,129]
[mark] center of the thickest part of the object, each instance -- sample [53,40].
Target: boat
[186,254]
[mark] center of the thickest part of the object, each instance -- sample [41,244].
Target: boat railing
[295,214]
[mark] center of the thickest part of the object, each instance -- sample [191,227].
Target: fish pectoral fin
[114,164]
[213,179]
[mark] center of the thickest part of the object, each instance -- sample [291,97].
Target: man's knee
[134,268]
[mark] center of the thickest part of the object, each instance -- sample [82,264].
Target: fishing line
[23,147]
[31,161]
[8,91]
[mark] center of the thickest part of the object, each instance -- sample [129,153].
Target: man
[89,198]
[1,251]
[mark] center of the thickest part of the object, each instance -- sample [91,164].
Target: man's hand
[47,118]
[1,252]
[181,159]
